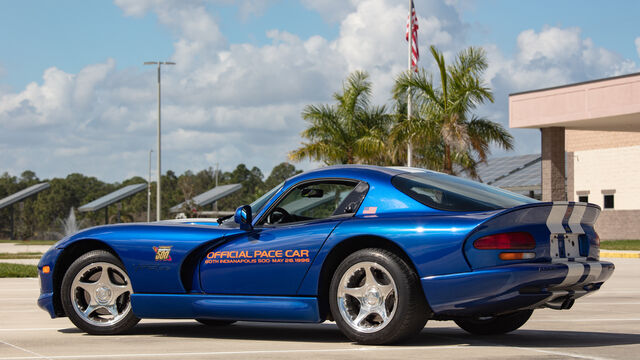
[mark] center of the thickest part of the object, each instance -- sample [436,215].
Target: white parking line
[251,352]
[31,329]
[609,303]
[25,350]
[584,320]
[552,352]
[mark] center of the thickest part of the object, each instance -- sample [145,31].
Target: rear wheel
[212,322]
[376,298]
[96,294]
[493,325]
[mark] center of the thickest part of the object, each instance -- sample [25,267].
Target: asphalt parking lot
[603,326]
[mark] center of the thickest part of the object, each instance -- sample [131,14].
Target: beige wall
[576,140]
[618,225]
[608,169]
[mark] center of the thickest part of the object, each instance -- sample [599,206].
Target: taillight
[506,241]
[597,241]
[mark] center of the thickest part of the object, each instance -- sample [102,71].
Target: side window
[317,200]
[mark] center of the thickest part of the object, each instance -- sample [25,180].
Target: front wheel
[96,294]
[375,298]
[493,325]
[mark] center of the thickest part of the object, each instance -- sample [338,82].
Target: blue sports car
[378,250]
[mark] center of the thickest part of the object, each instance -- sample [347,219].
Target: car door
[273,258]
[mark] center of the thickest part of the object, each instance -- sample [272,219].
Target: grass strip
[18,271]
[21,255]
[620,245]
[29,242]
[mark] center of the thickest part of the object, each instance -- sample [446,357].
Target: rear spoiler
[568,217]
[560,217]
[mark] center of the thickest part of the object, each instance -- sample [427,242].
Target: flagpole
[410,31]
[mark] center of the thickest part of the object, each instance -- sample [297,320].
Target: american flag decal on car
[370,210]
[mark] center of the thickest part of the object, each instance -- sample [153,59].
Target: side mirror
[243,217]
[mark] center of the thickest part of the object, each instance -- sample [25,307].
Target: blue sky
[612,24]
[74,96]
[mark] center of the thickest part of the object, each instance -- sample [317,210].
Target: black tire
[494,325]
[215,323]
[110,294]
[405,305]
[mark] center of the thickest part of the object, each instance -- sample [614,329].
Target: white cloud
[556,56]
[551,57]
[332,10]
[232,103]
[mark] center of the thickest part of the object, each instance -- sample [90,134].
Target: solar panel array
[23,194]
[113,197]
[210,196]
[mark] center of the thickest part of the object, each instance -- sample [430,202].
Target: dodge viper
[378,250]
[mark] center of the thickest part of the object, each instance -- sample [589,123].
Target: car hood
[173,231]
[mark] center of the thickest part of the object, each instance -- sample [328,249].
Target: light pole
[215,203]
[159,64]
[149,190]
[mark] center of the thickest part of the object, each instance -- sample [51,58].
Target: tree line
[41,216]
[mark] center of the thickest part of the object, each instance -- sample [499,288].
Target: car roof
[382,196]
[353,171]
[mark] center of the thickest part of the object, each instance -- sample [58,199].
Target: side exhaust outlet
[560,304]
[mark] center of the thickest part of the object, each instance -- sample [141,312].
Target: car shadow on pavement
[321,333]
[329,333]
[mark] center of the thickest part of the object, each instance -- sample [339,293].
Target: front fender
[153,254]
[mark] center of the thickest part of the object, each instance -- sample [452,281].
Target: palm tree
[443,131]
[350,131]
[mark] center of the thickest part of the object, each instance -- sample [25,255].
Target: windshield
[451,193]
[258,204]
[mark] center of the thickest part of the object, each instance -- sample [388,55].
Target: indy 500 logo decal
[162,253]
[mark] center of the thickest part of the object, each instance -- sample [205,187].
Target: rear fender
[543,221]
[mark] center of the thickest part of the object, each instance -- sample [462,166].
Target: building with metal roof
[520,174]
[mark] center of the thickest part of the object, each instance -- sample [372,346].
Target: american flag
[412,22]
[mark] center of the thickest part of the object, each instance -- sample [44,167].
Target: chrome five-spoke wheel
[367,297]
[100,294]
[96,294]
[375,297]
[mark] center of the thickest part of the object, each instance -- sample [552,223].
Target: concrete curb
[620,254]
[20,261]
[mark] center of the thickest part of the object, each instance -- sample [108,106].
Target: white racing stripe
[554,220]
[594,271]
[576,218]
[575,272]
[575,267]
